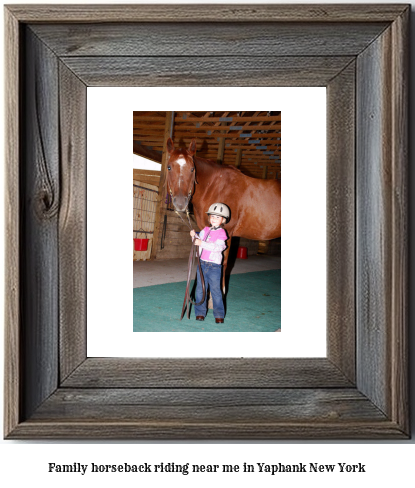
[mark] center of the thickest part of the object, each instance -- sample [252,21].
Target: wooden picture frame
[359,391]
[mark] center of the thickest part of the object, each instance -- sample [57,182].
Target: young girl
[211,240]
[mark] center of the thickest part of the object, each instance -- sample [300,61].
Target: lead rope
[188,218]
[194,253]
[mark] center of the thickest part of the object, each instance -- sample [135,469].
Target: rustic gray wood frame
[359,391]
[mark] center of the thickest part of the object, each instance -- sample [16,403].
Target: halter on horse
[178,158]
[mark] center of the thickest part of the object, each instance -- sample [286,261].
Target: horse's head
[181,174]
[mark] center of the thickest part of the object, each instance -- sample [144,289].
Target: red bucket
[242,253]
[140,244]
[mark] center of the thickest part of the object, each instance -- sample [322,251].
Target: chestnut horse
[255,204]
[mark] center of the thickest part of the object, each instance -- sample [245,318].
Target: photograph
[207,221]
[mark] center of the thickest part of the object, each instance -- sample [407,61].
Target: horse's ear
[170,145]
[192,147]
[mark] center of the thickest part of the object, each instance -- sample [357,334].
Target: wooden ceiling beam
[272,118]
[247,152]
[146,125]
[147,141]
[230,134]
[231,128]
[148,118]
[147,131]
[245,156]
[231,158]
[230,138]
[146,152]
[212,145]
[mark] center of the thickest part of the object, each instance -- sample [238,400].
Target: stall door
[144,216]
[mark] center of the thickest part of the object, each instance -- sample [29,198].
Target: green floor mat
[253,304]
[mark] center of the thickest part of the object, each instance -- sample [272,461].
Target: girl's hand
[198,242]
[192,233]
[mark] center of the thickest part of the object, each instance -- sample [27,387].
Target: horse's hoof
[200,317]
[219,321]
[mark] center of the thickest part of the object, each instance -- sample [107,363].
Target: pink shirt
[214,245]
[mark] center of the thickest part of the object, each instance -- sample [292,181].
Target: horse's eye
[169,168]
[192,170]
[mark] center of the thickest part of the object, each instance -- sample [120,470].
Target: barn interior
[249,141]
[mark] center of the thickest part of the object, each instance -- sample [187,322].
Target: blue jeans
[212,273]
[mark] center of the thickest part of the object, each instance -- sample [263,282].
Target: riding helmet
[219,209]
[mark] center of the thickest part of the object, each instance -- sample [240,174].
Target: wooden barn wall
[176,242]
[147,176]
[144,255]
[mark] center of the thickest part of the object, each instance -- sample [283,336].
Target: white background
[387,463]
[109,266]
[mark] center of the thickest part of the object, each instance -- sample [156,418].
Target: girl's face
[215,220]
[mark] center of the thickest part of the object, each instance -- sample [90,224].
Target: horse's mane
[215,166]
